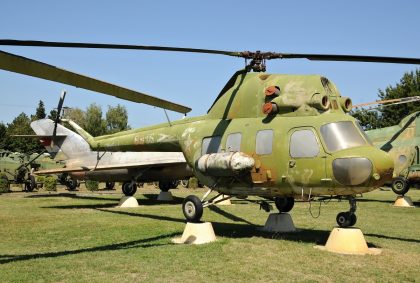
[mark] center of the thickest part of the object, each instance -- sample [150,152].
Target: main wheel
[30,183]
[109,185]
[346,219]
[284,204]
[353,219]
[192,208]
[400,186]
[71,184]
[165,186]
[174,184]
[129,188]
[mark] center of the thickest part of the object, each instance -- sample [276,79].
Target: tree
[408,86]
[40,111]
[95,125]
[116,119]
[20,126]
[3,135]
[368,119]
[77,115]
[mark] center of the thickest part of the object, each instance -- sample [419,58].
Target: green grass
[82,237]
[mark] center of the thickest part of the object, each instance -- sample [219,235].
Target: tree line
[408,86]
[91,119]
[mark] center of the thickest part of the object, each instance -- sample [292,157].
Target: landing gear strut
[348,218]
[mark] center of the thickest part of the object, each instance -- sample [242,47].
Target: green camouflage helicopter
[402,142]
[278,137]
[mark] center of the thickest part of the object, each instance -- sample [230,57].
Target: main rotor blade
[348,58]
[244,54]
[38,43]
[26,66]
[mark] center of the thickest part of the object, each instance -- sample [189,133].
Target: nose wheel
[348,218]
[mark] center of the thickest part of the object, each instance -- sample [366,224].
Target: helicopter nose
[371,164]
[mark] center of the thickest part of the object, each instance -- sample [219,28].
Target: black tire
[192,209]
[129,188]
[353,219]
[71,184]
[284,204]
[30,183]
[110,185]
[165,186]
[174,184]
[344,219]
[400,186]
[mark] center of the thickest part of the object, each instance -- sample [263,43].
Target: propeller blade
[57,118]
[26,66]
[243,54]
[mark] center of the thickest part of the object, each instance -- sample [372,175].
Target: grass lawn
[82,237]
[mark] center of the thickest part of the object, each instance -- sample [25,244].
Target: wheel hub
[190,209]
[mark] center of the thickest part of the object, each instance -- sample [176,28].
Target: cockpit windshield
[341,135]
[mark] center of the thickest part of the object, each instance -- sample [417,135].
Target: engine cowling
[225,164]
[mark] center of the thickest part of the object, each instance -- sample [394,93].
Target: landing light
[272,90]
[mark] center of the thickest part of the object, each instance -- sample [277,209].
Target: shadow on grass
[143,243]
[234,230]
[82,206]
[143,215]
[375,200]
[151,199]
[228,215]
[72,196]
[393,238]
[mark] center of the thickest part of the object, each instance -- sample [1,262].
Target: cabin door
[306,166]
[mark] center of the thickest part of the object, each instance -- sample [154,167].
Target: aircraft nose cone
[366,166]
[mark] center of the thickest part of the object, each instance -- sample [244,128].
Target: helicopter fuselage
[306,147]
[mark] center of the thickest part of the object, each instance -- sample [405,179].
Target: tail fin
[72,146]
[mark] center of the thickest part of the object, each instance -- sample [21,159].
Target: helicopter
[402,143]
[278,137]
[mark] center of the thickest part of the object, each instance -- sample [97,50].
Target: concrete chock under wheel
[403,201]
[279,222]
[196,233]
[128,202]
[348,241]
[165,196]
[225,202]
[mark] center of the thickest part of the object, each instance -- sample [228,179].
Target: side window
[233,142]
[303,143]
[211,145]
[264,142]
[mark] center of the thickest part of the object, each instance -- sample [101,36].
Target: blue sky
[382,28]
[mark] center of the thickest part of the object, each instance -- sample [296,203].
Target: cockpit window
[341,135]
[363,133]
